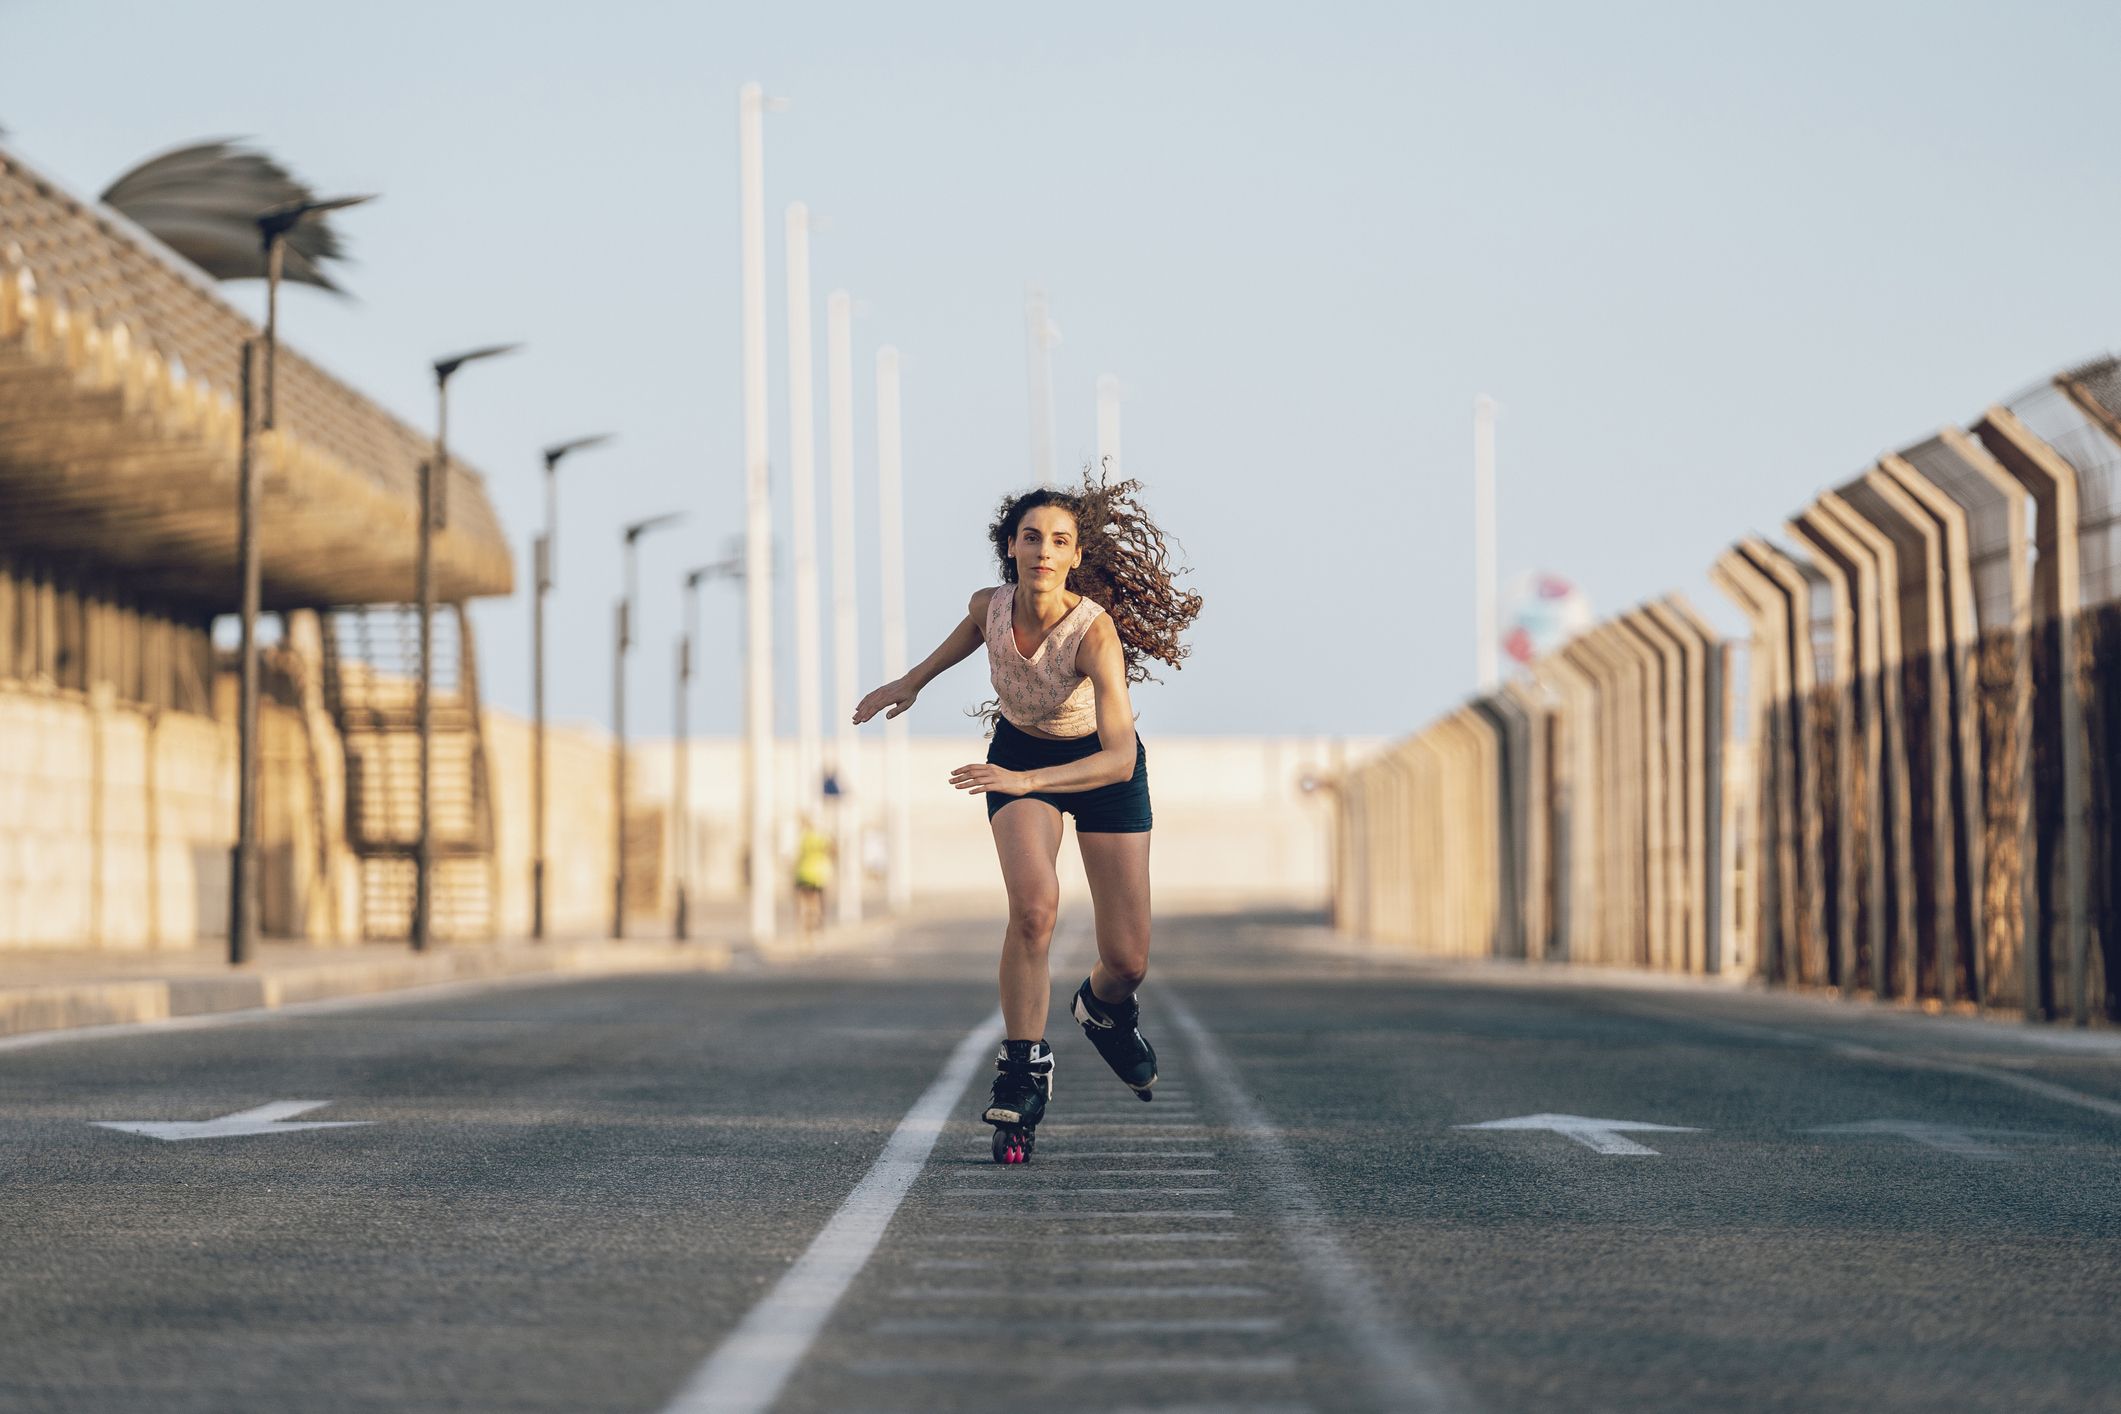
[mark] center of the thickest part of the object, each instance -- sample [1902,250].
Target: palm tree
[204,201]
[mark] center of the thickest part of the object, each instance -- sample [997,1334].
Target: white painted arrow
[1596,1134]
[1951,1138]
[265,1119]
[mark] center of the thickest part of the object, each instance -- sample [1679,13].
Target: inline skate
[1115,1029]
[1023,1083]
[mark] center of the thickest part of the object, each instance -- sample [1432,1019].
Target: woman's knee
[1129,971]
[1031,918]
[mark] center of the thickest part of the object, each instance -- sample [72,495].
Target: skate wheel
[1011,1146]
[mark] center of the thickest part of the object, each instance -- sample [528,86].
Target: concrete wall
[1233,822]
[579,834]
[116,820]
[115,823]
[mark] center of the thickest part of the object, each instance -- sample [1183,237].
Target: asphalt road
[581,1196]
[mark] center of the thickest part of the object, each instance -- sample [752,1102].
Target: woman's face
[1044,547]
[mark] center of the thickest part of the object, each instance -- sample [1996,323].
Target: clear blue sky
[1708,257]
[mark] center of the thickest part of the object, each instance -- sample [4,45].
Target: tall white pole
[846,640]
[891,523]
[1485,637]
[1038,373]
[802,498]
[758,522]
[1108,425]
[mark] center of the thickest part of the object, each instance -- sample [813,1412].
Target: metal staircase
[371,684]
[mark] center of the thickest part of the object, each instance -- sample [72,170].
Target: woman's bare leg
[1027,836]
[1118,870]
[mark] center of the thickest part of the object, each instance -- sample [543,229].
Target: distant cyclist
[1086,600]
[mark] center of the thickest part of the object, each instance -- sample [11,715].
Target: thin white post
[1486,642]
[1038,368]
[846,631]
[758,523]
[891,519]
[1108,425]
[802,499]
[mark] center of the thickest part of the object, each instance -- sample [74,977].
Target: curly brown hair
[1126,568]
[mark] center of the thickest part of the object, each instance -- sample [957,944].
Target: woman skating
[1086,600]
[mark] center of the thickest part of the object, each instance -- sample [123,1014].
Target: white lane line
[323,1006]
[1403,1376]
[2045,1089]
[747,1372]
[1849,1050]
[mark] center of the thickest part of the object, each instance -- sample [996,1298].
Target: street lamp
[633,535]
[258,416]
[434,514]
[274,227]
[541,571]
[681,832]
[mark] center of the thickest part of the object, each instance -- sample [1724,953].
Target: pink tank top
[1043,692]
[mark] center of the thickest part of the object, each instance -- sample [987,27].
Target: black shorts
[1121,808]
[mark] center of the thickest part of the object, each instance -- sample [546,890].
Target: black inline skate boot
[1023,1083]
[1115,1031]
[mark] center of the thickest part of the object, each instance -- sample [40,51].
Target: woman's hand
[897,695]
[986,778]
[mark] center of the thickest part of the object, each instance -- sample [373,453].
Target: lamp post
[434,514]
[890,496]
[258,416]
[633,534]
[1040,337]
[802,500]
[839,381]
[681,790]
[1108,425]
[543,574]
[1485,629]
[758,518]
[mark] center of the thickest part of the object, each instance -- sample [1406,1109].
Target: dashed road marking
[1069,1192]
[1161,1214]
[1049,1326]
[747,1372]
[1053,1295]
[1105,1155]
[1223,1365]
[1402,1375]
[1120,1264]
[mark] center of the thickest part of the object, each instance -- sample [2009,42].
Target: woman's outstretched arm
[962,643]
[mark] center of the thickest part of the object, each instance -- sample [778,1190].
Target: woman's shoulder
[1099,635]
[982,603]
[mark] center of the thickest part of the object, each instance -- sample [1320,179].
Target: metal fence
[1900,784]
